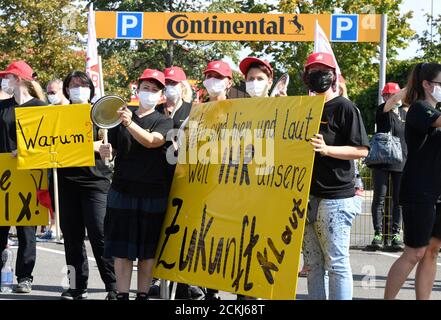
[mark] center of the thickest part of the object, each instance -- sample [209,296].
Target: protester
[18,81]
[388,119]
[258,75]
[55,92]
[218,80]
[137,199]
[333,204]
[82,198]
[175,107]
[420,184]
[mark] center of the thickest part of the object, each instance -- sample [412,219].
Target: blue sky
[418,22]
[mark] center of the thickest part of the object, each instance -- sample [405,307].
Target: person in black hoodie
[18,80]
[83,198]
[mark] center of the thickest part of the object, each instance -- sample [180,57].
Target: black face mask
[319,81]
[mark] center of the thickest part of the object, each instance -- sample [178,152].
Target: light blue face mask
[397,106]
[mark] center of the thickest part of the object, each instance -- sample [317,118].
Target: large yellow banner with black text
[54,137]
[239,197]
[19,205]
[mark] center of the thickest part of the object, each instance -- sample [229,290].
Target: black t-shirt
[180,115]
[341,125]
[140,171]
[421,182]
[395,123]
[8,131]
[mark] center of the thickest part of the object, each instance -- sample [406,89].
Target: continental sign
[236,26]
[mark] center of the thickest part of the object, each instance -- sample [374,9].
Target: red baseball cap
[219,67]
[153,74]
[323,58]
[391,87]
[175,74]
[20,69]
[244,65]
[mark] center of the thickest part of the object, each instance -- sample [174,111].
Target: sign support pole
[383,56]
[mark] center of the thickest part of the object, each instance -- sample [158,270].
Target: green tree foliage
[430,40]
[44,33]
[358,61]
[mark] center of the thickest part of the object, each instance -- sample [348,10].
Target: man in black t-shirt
[333,204]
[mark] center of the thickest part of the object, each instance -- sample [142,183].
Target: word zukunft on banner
[236,224]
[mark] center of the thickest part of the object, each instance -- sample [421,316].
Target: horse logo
[295,21]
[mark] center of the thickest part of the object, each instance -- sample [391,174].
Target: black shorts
[421,222]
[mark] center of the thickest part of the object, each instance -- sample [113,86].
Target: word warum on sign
[54,137]
[239,197]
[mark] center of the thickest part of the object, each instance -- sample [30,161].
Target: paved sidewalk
[369,270]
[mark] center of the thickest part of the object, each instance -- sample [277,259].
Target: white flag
[92,63]
[321,44]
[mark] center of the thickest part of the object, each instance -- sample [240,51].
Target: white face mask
[173,93]
[54,99]
[256,88]
[5,86]
[79,95]
[149,100]
[436,93]
[215,87]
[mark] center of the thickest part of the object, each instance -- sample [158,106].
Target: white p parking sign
[129,25]
[344,27]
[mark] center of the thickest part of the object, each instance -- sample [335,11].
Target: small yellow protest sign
[55,137]
[239,197]
[18,194]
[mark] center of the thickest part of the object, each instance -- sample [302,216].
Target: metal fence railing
[362,231]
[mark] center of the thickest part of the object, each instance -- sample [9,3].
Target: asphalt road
[369,272]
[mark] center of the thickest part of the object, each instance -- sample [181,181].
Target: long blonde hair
[187,92]
[34,89]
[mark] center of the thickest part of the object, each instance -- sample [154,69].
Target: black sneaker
[24,286]
[124,296]
[111,295]
[142,296]
[74,294]
[377,242]
[397,244]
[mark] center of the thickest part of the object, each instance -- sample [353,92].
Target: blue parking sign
[344,27]
[129,25]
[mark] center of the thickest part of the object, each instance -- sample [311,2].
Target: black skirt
[132,225]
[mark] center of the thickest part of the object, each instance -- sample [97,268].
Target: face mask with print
[436,93]
[256,88]
[148,100]
[6,87]
[172,93]
[215,87]
[79,95]
[319,81]
[54,99]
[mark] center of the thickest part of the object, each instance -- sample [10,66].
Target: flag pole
[57,207]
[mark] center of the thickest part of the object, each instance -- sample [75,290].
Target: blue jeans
[326,248]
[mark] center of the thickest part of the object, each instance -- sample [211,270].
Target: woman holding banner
[137,199]
[83,197]
[333,204]
[18,80]
[420,184]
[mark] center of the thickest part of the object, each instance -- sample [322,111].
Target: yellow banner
[18,194]
[239,197]
[236,26]
[54,137]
